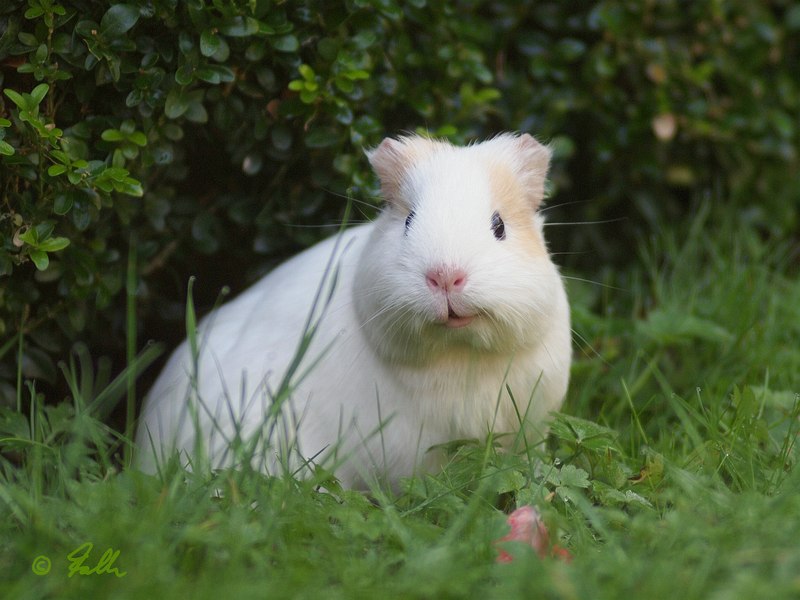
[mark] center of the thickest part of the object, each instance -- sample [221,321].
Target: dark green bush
[204,134]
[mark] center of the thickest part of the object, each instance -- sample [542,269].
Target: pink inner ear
[392,160]
[390,164]
[534,162]
[535,154]
[387,158]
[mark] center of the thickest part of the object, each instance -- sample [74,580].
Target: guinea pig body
[444,307]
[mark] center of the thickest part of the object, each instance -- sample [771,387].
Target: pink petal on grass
[527,527]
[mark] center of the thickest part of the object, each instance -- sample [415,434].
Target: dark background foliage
[215,138]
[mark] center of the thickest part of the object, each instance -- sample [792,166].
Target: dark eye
[409,219]
[498,227]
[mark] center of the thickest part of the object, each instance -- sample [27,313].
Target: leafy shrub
[158,138]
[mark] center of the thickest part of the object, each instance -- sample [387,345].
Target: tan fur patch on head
[393,159]
[512,202]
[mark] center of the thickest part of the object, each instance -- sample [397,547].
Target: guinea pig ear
[390,164]
[393,159]
[531,162]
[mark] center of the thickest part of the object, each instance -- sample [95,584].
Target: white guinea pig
[443,305]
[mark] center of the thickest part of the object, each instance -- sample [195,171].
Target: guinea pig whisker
[570,253]
[605,285]
[585,344]
[562,204]
[333,225]
[615,220]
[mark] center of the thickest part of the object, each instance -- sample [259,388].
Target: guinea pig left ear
[532,164]
[390,163]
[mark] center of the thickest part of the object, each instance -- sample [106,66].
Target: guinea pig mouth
[454,321]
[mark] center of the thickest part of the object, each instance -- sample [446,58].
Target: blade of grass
[130,348]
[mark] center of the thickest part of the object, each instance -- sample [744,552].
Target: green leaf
[345,85]
[118,20]
[255,51]
[39,92]
[115,173]
[60,156]
[184,74]
[308,97]
[223,52]
[281,137]
[34,12]
[505,480]
[172,131]
[16,98]
[162,154]
[81,217]
[306,72]
[138,138]
[30,236]
[185,43]
[40,259]
[195,110]
[112,135]
[55,170]
[209,43]
[54,244]
[129,151]
[44,229]
[6,149]
[208,75]
[175,104]
[28,39]
[134,98]
[322,138]
[328,48]
[62,204]
[239,26]
[572,476]
[356,74]
[129,187]
[286,43]
[40,55]
[583,433]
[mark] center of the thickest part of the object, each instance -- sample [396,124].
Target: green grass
[670,474]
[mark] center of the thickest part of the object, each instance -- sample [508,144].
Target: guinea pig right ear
[393,159]
[390,164]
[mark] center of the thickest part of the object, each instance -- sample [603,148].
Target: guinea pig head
[458,257]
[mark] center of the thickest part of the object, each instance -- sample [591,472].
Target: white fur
[389,379]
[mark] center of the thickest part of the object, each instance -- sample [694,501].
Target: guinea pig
[443,319]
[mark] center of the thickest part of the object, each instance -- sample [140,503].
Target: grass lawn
[670,474]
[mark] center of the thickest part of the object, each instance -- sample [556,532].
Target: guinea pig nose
[446,279]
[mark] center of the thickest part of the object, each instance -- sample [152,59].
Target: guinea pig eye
[498,227]
[409,219]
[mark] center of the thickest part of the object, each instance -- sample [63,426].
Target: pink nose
[446,279]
